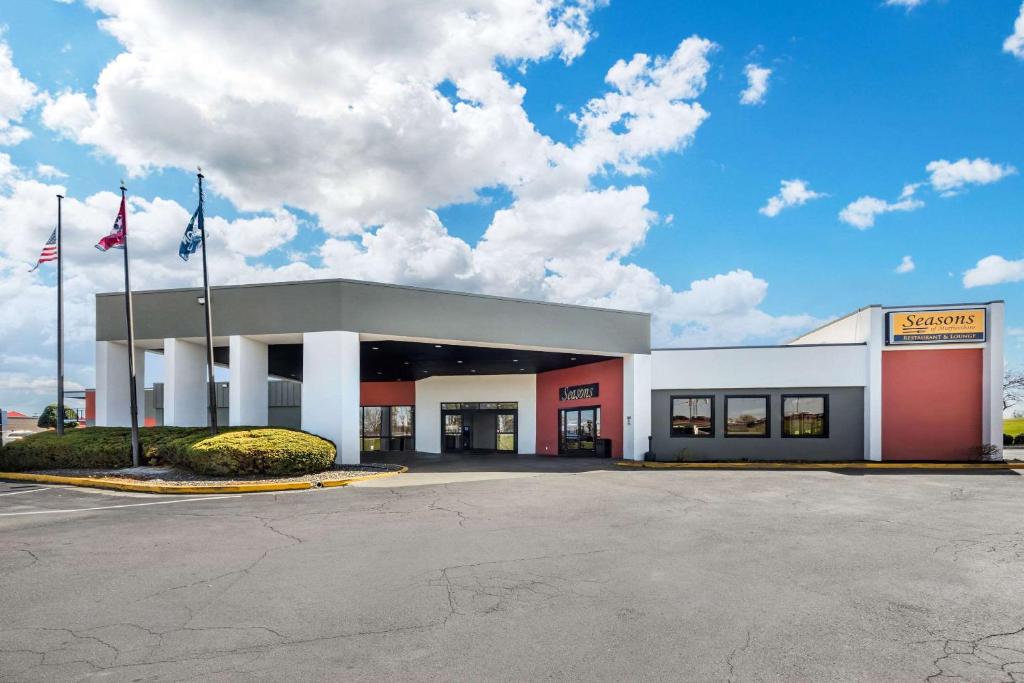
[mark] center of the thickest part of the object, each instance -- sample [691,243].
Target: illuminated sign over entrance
[936,327]
[577,392]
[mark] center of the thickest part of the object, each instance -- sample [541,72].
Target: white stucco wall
[760,367]
[185,387]
[247,390]
[112,386]
[330,390]
[433,391]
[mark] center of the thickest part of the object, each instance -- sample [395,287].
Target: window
[805,417]
[373,418]
[746,416]
[693,416]
[401,421]
[506,432]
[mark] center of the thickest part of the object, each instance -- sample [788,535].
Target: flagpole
[207,304]
[131,339]
[60,323]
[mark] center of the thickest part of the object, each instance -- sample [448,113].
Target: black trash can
[603,448]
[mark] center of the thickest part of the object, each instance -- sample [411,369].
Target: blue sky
[861,98]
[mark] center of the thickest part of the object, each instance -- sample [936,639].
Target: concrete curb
[821,465]
[171,489]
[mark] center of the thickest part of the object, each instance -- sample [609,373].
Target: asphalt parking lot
[520,570]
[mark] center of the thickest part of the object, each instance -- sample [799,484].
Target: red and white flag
[118,234]
[49,252]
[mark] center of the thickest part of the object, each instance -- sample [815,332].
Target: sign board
[580,391]
[952,326]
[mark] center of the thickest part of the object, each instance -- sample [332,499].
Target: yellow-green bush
[236,450]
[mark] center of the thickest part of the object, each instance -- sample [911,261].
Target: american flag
[49,252]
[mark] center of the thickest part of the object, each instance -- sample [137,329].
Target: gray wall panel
[845,440]
[374,308]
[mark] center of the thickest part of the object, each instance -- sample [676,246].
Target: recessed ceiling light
[458,361]
[380,373]
[437,346]
[424,372]
[406,362]
[515,360]
[573,358]
[472,370]
[375,348]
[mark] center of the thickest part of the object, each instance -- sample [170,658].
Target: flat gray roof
[374,308]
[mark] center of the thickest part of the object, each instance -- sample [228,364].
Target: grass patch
[1013,426]
[235,450]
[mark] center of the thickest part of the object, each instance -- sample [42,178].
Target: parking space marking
[14,493]
[115,507]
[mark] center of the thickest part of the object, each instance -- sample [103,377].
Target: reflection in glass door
[506,432]
[453,432]
[578,430]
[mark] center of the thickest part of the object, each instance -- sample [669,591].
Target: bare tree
[1013,387]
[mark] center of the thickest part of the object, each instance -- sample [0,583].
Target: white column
[330,390]
[247,390]
[873,387]
[185,395]
[992,380]
[636,405]
[113,403]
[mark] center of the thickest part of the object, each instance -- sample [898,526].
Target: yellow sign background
[960,325]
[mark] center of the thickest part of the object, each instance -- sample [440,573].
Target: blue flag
[193,235]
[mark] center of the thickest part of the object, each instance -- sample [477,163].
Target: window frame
[767,417]
[782,410]
[671,414]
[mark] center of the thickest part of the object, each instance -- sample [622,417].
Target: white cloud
[346,120]
[949,178]
[48,172]
[792,193]
[17,96]
[994,270]
[907,265]
[1014,43]
[862,212]
[757,84]
[909,4]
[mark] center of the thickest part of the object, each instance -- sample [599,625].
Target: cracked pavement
[562,569]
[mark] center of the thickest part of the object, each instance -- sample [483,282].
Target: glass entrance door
[479,428]
[579,430]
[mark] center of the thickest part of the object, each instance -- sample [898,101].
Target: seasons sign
[937,327]
[577,392]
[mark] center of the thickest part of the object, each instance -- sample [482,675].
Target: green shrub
[1018,440]
[259,451]
[236,450]
[1007,439]
[48,419]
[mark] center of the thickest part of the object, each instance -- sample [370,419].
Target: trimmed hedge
[234,451]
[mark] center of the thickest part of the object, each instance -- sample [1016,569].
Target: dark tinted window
[692,416]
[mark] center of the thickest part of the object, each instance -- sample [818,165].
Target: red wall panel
[608,375]
[931,404]
[387,393]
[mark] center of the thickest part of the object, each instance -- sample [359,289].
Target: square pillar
[330,390]
[636,405]
[185,395]
[992,381]
[248,395]
[873,389]
[113,404]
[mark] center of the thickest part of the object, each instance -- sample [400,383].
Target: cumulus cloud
[907,265]
[994,270]
[950,177]
[371,119]
[48,172]
[17,96]
[757,84]
[794,192]
[1014,43]
[862,212]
